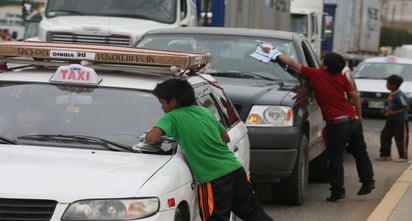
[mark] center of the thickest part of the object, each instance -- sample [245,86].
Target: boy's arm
[289,62]
[225,136]
[396,112]
[278,56]
[154,136]
[356,102]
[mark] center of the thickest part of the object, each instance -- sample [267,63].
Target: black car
[277,104]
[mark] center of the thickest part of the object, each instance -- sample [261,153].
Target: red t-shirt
[330,91]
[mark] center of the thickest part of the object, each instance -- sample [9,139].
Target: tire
[318,168]
[178,215]
[181,213]
[291,190]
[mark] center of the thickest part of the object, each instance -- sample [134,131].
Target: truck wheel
[291,189]
[318,168]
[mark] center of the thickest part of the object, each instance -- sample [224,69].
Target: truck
[257,14]
[356,28]
[11,18]
[300,16]
[108,22]
[307,17]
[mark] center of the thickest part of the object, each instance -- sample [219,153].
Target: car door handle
[235,149]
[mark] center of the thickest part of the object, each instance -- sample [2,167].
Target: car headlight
[270,116]
[111,209]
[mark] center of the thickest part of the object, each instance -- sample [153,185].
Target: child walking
[396,124]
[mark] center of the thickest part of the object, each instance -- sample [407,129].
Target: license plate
[376,104]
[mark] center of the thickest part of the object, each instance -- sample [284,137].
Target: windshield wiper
[77,138]
[61,11]
[242,75]
[6,140]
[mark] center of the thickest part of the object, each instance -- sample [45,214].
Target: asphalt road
[354,207]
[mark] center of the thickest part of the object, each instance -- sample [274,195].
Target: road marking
[392,197]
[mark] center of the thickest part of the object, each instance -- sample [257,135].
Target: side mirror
[26,10]
[14,35]
[327,30]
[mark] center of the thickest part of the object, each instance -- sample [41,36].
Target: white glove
[260,54]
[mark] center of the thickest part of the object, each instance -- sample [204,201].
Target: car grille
[88,39]
[379,95]
[26,209]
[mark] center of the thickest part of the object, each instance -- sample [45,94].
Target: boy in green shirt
[223,184]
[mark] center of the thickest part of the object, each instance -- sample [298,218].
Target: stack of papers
[262,56]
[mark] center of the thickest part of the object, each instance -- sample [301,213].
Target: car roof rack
[103,57]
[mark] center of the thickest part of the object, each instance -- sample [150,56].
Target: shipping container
[262,14]
[356,27]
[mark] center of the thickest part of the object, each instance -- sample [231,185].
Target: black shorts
[231,192]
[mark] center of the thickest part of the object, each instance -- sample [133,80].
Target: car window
[230,53]
[383,70]
[216,100]
[208,102]
[118,115]
[309,55]
[157,10]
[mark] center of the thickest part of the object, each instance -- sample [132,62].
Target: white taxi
[71,122]
[370,77]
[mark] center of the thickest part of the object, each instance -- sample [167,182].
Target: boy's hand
[265,52]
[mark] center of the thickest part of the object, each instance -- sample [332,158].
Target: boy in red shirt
[343,121]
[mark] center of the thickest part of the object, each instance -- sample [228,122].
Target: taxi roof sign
[76,74]
[104,54]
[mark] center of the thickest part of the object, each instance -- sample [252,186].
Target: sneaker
[366,188]
[401,160]
[336,197]
[382,158]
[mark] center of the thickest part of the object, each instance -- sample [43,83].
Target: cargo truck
[257,14]
[109,22]
[307,17]
[356,31]
[11,18]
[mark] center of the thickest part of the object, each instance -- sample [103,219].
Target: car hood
[71,174]
[246,92]
[379,85]
[104,25]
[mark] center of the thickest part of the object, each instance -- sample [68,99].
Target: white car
[79,154]
[370,77]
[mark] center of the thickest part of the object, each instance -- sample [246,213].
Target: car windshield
[383,70]
[112,118]
[158,10]
[230,53]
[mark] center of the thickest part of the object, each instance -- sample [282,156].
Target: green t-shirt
[198,133]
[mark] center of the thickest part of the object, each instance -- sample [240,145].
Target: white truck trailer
[260,14]
[357,28]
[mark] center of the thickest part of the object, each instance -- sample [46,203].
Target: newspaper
[261,55]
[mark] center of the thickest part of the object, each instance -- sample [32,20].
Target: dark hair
[394,80]
[334,62]
[179,89]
